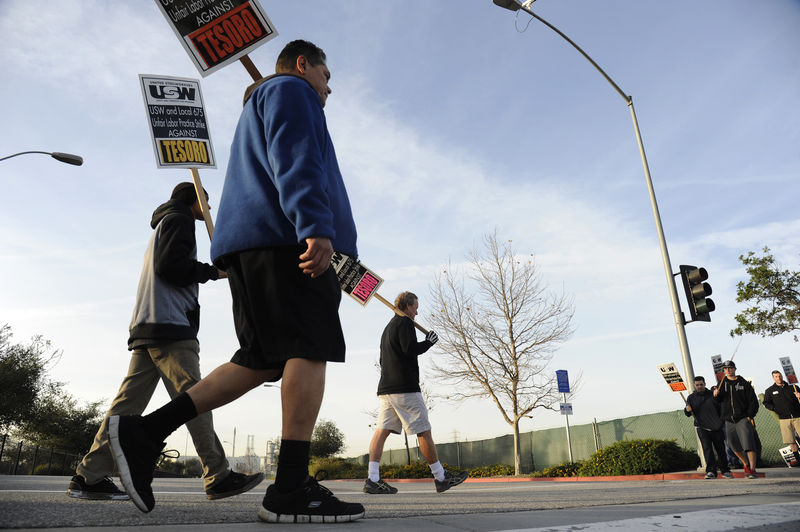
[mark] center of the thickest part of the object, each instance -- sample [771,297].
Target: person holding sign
[708,424]
[739,406]
[284,210]
[401,402]
[163,341]
[784,399]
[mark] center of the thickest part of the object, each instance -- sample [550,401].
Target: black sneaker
[711,474]
[136,456]
[379,488]
[104,490]
[233,484]
[450,479]
[310,503]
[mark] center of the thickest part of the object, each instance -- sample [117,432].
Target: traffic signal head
[697,292]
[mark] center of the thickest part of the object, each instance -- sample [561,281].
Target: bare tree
[499,333]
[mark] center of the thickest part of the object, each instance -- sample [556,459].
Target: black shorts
[281,313]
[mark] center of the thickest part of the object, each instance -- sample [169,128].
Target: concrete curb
[685,475]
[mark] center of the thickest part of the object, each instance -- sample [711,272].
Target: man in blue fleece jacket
[284,211]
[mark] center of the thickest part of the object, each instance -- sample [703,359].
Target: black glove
[432,337]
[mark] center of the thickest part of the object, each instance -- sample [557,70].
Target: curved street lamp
[514,5]
[68,158]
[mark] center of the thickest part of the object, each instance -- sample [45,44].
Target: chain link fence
[20,458]
[548,447]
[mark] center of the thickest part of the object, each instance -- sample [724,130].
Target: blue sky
[449,122]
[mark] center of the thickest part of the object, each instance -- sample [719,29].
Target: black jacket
[706,411]
[737,399]
[782,401]
[399,352]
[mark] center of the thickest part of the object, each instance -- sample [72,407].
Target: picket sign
[672,376]
[361,283]
[788,370]
[216,33]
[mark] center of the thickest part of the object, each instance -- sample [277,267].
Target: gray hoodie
[166,301]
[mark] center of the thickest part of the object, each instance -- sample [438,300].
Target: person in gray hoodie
[164,346]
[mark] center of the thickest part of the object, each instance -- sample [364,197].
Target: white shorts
[403,410]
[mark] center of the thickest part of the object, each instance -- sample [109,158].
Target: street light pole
[513,5]
[68,158]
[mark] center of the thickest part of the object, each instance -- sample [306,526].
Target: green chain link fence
[548,447]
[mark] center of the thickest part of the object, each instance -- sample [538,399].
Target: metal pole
[569,440]
[673,292]
[35,459]
[19,453]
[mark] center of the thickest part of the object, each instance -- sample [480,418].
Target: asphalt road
[28,502]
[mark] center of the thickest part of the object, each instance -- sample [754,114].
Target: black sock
[164,421]
[292,465]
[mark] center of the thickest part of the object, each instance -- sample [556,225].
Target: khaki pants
[177,364]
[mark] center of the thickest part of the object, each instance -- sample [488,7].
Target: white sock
[437,470]
[374,471]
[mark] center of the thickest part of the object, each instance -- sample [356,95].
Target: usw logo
[172,92]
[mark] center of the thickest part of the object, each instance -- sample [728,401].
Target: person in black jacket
[401,402]
[739,406]
[708,424]
[163,341]
[784,399]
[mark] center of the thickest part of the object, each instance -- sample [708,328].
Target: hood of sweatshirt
[172,206]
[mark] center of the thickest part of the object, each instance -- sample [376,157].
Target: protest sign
[217,32]
[716,363]
[177,120]
[356,280]
[788,370]
[672,376]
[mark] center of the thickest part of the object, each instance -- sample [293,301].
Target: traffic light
[697,292]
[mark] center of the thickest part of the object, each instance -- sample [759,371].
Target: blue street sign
[563,381]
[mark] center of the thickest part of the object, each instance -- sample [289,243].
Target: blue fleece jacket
[283,182]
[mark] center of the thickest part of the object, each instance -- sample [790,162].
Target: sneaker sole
[247,487]
[271,517]
[90,496]
[122,464]
[365,490]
